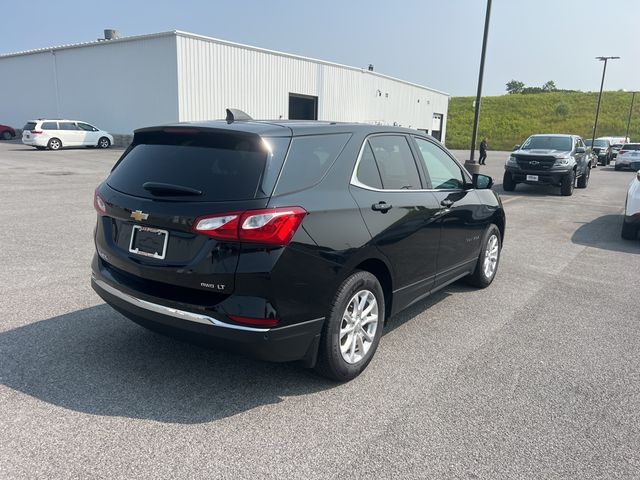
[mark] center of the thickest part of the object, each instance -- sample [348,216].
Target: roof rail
[233,114]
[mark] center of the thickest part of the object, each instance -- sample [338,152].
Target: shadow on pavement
[97,362]
[604,232]
[524,190]
[419,307]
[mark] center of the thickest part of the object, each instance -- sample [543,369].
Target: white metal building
[126,83]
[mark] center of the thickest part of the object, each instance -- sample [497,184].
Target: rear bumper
[625,163]
[36,141]
[281,344]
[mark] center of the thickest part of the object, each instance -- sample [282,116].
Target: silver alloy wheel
[54,144]
[491,256]
[358,326]
[104,142]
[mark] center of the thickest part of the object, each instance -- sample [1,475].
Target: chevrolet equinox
[288,240]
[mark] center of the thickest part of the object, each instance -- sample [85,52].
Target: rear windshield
[223,166]
[564,144]
[631,146]
[601,143]
[30,126]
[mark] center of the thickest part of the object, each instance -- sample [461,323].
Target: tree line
[516,86]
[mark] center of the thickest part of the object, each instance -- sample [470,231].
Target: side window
[445,174]
[68,126]
[49,126]
[86,127]
[308,160]
[395,162]
[368,173]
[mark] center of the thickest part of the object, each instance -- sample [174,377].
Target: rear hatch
[168,178]
[26,130]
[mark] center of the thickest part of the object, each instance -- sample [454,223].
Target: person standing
[483,152]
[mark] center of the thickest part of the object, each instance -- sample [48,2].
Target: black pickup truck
[560,160]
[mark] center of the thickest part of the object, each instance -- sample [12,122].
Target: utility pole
[604,71]
[633,96]
[470,164]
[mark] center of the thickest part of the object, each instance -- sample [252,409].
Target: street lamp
[471,165]
[633,97]
[604,71]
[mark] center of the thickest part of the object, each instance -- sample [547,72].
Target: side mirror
[580,150]
[515,147]
[481,182]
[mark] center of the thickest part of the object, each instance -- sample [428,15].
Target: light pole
[470,164]
[633,96]
[604,71]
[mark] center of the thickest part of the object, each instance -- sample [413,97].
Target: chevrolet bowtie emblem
[138,215]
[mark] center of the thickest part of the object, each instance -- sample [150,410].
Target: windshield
[601,143]
[544,142]
[631,146]
[587,143]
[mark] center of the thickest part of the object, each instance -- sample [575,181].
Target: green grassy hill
[508,120]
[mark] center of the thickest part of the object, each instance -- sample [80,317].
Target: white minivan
[55,134]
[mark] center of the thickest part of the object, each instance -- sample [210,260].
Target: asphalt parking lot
[537,376]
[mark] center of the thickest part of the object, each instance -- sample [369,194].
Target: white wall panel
[214,75]
[118,85]
[124,84]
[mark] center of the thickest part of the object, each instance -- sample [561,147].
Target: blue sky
[434,43]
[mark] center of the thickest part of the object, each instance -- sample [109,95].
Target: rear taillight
[271,226]
[221,227]
[622,151]
[255,322]
[99,204]
[36,132]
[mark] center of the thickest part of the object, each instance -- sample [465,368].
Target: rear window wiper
[169,189]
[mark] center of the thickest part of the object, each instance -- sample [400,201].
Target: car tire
[583,181]
[617,167]
[567,184]
[488,260]
[629,231]
[104,142]
[6,135]
[54,144]
[344,350]
[508,185]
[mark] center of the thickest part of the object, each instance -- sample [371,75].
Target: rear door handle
[446,203]
[383,207]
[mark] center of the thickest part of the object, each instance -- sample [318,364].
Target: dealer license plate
[150,242]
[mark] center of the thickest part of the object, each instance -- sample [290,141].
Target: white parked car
[55,134]
[631,223]
[629,153]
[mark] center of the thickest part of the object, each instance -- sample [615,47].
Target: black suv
[603,150]
[559,160]
[288,240]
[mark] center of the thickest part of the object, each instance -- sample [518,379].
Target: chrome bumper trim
[172,312]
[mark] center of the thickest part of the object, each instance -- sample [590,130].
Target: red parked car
[6,132]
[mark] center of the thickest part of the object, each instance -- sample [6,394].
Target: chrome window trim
[171,312]
[357,183]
